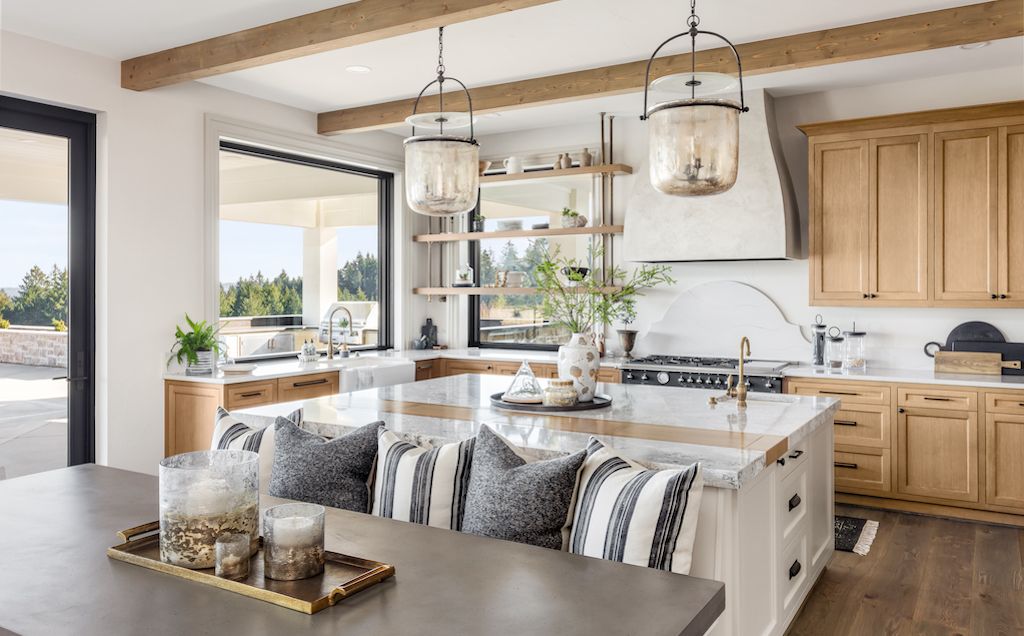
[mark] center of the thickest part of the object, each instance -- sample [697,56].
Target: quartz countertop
[916,376]
[658,427]
[290,367]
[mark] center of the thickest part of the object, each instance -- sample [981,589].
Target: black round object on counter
[599,402]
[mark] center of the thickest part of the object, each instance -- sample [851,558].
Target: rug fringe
[867,537]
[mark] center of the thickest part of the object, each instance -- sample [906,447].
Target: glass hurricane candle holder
[233,552]
[204,495]
[441,174]
[293,541]
[694,146]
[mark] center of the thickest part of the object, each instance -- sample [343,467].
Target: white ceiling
[558,37]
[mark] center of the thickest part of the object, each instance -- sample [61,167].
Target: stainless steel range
[763,376]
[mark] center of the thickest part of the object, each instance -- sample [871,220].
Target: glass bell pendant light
[694,142]
[442,175]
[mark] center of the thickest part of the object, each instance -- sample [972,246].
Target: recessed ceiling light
[358,68]
[974,45]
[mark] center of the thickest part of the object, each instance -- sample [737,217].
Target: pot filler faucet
[739,390]
[344,344]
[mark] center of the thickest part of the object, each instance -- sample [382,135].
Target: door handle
[845,465]
[72,379]
[845,423]
[901,410]
[249,395]
[836,393]
[794,501]
[309,383]
[936,399]
[796,454]
[795,569]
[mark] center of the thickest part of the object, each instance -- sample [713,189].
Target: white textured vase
[578,360]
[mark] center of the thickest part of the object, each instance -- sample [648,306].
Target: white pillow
[421,485]
[627,513]
[229,433]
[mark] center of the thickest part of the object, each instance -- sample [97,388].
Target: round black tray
[599,402]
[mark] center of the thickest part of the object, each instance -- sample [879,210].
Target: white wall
[150,220]
[896,335]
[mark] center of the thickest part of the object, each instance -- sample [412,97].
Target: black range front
[699,379]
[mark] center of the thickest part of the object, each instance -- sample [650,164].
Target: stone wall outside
[40,348]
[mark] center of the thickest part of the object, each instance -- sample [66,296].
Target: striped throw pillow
[421,485]
[229,433]
[627,513]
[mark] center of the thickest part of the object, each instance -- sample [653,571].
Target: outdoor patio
[33,420]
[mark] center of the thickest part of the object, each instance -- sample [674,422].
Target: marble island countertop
[658,427]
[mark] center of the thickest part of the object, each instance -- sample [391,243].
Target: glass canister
[856,349]
[560,393]
[293,537]
[835,350]
[204,495]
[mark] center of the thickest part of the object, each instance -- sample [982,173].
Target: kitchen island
[766,520]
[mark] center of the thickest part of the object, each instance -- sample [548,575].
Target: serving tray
[343,575]
[599,402]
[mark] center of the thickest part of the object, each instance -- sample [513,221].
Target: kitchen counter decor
[342,575]
[203,495]
[598,402]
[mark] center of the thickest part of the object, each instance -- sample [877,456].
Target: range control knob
[643,378]
[707,380]
[768,384]
[689,380]
[747,384]
[629,376]
[662,377]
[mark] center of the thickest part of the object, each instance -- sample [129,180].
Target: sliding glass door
[47,299]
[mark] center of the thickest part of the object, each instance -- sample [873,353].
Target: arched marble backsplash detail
[709,320]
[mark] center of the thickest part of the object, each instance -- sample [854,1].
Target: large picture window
[298,238]
[516,320]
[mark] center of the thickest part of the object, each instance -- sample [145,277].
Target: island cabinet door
[938,451]
[966,215]
[839,221]
[1004,459]
[190,409]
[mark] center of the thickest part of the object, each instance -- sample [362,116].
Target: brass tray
[343,575]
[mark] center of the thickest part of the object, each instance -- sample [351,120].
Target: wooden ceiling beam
[993,20]
[339,27]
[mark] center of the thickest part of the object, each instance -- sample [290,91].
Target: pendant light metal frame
[693,22]
[440,80]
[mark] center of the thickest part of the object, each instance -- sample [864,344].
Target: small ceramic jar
[560,393]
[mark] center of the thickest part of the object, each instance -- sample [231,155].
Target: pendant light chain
[440,78]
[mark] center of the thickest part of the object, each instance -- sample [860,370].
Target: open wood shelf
[551,231]
[484,291]
[611,168]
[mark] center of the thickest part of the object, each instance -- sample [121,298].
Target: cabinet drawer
[928,398]
[426,370]
[792,503]
[238,396]
[306,387]
[864,425]
[793,568]
[456,367]
[792,459]
[846,392]
[612,376]
[860,470]
[1009,403]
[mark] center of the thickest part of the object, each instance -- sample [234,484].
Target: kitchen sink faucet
[330,333]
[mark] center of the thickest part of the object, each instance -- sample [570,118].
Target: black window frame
[385,216]
[79,128]
[474,306]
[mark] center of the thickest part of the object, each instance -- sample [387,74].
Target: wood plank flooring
[923,576]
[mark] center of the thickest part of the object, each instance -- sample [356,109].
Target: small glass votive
[233,552]
[293,541]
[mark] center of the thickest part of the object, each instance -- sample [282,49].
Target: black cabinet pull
[297,385]
[837,393]
[1002,296]
[995,296]
[794,501]
[867,295]
[794,569]
[845,465]
[937,399]
[901,410]
[249,395]
[781,461]
[796,454]
[845,423]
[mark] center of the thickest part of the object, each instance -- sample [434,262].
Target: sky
[36,234]
[31,234]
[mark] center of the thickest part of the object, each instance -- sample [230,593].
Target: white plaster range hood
[757,219]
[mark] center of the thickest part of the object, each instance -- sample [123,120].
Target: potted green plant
[572,218]
[478,223]
[626,313]
[582,295]
[196,347]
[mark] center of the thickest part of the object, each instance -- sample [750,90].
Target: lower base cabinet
[927,448]
[453,366]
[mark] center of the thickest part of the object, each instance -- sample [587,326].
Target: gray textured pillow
[513,499]
[332,473]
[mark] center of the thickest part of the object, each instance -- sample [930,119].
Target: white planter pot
[578,360]
[203,367]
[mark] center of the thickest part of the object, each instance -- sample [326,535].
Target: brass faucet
[330,333]
[741,384]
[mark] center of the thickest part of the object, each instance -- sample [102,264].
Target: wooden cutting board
[972,362]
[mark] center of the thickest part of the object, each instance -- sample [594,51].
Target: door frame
[79,128]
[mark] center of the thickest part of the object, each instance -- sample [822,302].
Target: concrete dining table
[55,577]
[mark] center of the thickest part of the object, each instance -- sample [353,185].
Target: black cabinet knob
[995,296]
[795,569]
[1002,296]
[794,501]
[901,410]
[867,295]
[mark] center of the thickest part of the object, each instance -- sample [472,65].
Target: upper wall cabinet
[921,209]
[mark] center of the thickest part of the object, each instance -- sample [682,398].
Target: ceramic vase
[579,361]
[204,366]
[627,339]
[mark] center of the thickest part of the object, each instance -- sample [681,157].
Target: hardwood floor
[923,576]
